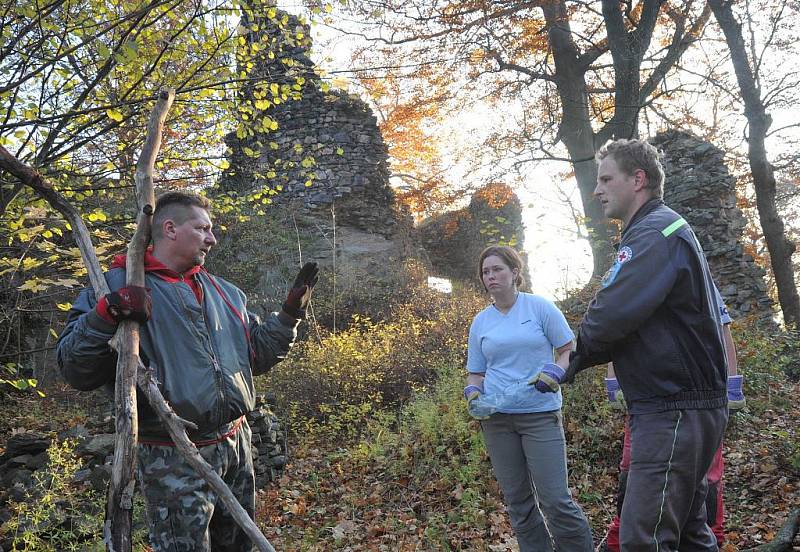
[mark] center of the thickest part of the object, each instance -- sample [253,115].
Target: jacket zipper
[217,368]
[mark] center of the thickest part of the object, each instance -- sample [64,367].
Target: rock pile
[269,442]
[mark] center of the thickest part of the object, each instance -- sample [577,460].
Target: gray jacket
[202,357]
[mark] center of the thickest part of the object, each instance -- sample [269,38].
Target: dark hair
[510,258]
[175,206]
[631,155]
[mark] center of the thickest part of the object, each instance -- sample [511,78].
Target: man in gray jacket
[655,316]
[204,347]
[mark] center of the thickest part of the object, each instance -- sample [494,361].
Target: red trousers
[714,504]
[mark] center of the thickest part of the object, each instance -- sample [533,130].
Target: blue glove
[615,396]
[736,400]
[472,392]
[549,378]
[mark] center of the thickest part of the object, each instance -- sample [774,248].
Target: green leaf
[115,115]
[103,50]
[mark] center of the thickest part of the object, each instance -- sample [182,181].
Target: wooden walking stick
[119,509]
[130,370]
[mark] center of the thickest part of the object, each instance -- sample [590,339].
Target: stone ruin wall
[454,240]
[342,205]
[700,188]
[340,132]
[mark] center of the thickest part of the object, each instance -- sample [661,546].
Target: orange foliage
[407,119]
[496,194]
[453,224]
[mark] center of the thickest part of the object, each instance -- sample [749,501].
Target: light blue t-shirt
[512,347]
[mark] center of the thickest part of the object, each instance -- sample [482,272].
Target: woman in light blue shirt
[509,342]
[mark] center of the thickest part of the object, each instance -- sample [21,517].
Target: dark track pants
[715,507]
[664,508]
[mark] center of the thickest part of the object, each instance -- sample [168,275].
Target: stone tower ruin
[700,188]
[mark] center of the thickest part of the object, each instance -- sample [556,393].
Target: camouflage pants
[183,512]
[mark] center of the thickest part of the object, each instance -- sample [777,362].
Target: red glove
[127,303]
[300,294]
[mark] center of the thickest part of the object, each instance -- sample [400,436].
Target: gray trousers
[664,508]
[528,455]
[184,514]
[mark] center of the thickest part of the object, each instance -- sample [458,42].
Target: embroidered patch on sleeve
[624,255]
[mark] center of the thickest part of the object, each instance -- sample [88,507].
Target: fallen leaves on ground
[326,501]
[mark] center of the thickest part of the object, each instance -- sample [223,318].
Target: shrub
[434,448]
[335,383]
[765,357]
[58,514]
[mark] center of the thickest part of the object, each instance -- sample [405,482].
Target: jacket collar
[153,265]
[643,211]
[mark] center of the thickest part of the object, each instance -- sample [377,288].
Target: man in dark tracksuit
[656,318]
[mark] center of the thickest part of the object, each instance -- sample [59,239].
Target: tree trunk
[627,49]
[778,244]
[575,130]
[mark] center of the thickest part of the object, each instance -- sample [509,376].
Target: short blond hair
[631,155]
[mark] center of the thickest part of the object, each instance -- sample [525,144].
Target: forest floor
[336,497]
[326,501]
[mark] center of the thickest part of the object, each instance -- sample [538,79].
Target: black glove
[300,294]
[575,360]
[580,360]
[129,303]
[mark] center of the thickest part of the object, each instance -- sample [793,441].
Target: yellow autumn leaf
[115,114]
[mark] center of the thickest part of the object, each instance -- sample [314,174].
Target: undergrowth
[335,385]
[56,515]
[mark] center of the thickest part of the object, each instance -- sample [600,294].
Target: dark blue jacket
[656,318]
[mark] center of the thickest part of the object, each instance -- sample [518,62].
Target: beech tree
[76,80]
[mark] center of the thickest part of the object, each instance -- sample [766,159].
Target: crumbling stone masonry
[454,240]
[700,188]
[326,149]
